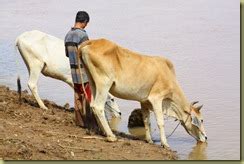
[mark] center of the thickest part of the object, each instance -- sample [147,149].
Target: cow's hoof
[111,139]
[45,108]
[166,146]
[149,141]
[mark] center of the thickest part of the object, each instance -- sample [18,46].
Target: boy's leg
[83,113]
[79,119]
[90,117]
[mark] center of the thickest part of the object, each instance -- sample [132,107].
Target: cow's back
[41,44]
[128,70]
[43,48]
[123,61]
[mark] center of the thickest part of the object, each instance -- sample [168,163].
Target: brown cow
[147,79]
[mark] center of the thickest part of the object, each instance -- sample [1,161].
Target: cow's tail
[82,84]
[19,88]
[81,60]
[18,76]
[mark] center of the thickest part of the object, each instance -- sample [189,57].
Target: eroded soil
[29,133]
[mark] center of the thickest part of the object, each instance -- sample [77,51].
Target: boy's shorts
[78,88]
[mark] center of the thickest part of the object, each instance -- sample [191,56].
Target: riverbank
[29,133]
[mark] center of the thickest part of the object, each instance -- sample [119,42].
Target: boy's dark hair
[82,17]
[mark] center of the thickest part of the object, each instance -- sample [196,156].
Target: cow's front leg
[157,107]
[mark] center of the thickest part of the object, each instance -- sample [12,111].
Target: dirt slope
[29,133]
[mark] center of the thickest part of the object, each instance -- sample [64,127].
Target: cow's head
[194,123]
[112,106]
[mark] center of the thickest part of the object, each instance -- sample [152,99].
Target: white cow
[132,76]
[43,53]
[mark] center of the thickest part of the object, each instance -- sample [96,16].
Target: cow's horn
[199,107]
[194,102]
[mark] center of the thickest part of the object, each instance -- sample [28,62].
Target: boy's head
[82,17]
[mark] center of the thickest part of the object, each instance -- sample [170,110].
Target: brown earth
[29,133]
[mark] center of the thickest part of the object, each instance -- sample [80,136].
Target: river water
[201,38]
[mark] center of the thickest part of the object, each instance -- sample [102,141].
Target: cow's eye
[201,121]
[112,100]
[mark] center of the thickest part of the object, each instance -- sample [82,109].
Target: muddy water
[201,38]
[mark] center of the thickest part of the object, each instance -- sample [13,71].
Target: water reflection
[199,152]
[114,123]
[139,132]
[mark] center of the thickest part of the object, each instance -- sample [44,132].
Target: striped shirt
[73,38]
[76,35]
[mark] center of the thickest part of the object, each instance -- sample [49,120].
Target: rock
[25,91]
[66,106]
[135,119]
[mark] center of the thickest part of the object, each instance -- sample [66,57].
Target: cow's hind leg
[157,108]
[32,83]
[146,120]
[98,109]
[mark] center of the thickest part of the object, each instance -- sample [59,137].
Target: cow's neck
[179,105]
[170,108]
